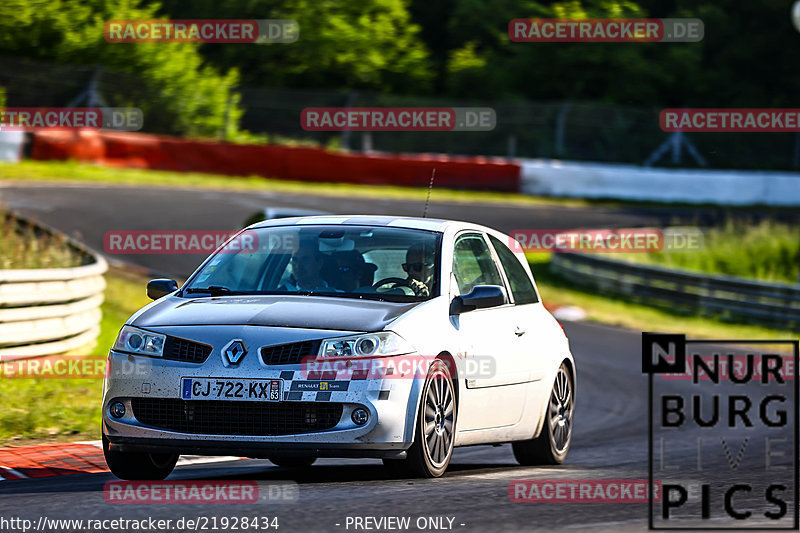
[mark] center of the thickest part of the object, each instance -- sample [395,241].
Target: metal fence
[566,130]
[48,311]
[777,304]
[581,131]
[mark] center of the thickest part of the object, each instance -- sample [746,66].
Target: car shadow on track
[317,474]
[359,472]
[469,461]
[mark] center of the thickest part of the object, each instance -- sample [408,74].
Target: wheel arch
[451,365]
[567,359]
[450,361]
[571,367]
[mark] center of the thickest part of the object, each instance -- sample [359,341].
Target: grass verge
[614,311]
[766,250]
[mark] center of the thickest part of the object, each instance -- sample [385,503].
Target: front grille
[219,417]
[289,354]
[177,349]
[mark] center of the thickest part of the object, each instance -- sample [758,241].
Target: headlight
[140,342]
[366,345]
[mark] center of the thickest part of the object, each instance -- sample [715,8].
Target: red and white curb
[60,459]
[566,313]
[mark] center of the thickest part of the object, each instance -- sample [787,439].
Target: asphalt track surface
[610,439]
[88,212]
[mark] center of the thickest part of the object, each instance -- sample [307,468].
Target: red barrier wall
[283,162]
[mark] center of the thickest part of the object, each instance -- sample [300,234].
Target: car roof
[430,224]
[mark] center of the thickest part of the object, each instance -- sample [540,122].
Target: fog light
[117,409]
[360,416]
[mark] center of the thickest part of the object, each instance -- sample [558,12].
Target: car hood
[310,312]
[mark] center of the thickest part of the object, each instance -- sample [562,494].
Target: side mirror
[158,288]
[480,297]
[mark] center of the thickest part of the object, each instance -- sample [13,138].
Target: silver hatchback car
[342,336]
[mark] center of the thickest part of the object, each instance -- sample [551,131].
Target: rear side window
[521,286]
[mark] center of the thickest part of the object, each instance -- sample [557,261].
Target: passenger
[306,272]
[419,267]
[350,271]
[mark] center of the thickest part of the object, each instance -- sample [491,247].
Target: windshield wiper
[213,290]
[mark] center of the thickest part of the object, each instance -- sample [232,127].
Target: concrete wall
[529,176]
[598,180]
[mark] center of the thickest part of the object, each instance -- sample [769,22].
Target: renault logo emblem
[235,351]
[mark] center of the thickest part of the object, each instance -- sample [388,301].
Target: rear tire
[552,444]
[135,466]
[432,449]
[293,462]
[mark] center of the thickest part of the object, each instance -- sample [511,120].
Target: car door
[496,392]
[530,320]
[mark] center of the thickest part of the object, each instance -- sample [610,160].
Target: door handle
[519,332]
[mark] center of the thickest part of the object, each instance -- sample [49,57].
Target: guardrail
[48,311]
[772,303]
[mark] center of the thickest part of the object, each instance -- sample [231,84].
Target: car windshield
[369,262]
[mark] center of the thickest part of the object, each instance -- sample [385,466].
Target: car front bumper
[390,402]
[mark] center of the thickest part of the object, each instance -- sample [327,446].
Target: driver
[419,267]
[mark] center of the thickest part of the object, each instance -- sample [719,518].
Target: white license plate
[265,390]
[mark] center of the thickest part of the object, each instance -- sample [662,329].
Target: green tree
[366,44]
[179,90]
[625,73]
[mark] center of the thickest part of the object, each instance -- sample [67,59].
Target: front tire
[552,444]
[432,450]
[135,466]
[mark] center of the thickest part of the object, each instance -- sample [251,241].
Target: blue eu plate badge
[186,393]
